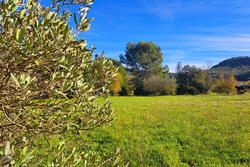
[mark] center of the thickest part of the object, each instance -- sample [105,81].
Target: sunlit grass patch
[205,130]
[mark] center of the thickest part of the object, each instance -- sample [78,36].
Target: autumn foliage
[226,85]
[116,83]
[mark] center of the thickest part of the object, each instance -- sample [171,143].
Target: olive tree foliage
[48,78]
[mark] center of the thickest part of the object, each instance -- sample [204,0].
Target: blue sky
[195,32]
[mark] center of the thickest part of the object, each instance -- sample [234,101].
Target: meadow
[204,130]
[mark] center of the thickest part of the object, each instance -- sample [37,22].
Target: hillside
[240,65]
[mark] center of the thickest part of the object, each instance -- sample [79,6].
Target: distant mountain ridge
[240,65]
[234,62]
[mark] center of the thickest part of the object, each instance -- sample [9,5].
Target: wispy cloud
[199,50]
[202,65]
[191,31]
[205,42]
[172,65]
[171,9]
[174,55]
[162,9]
[168,9]
[237,42]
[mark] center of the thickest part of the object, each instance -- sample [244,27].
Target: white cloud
[237,42]
[174,55]
[202,65]
[170,9]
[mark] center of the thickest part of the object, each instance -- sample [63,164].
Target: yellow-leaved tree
[116,84]
[226,85]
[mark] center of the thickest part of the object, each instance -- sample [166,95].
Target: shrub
[241,89]
[157,85]
[225,85]
[139,87]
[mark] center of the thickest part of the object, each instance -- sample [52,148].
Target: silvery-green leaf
[15,80]
[7,148]
[23,11]
[18,31]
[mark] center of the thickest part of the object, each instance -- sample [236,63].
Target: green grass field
[206,130]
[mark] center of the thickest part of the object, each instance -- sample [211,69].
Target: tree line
[141,73]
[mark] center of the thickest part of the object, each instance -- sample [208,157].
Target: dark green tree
[143,59]
[191,80]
